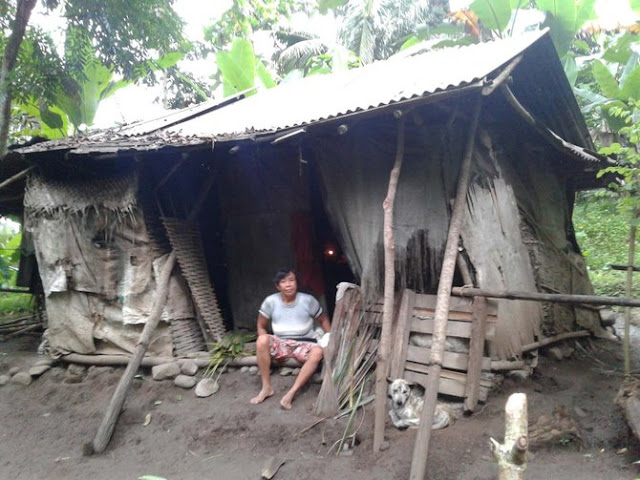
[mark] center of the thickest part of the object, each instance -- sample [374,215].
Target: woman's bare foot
[286,401]
[262,396]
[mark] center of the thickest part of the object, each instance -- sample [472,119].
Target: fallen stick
[557,338]
[21,331]
[117,401]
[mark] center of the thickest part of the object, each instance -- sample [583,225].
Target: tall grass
[603,236]
[15,304]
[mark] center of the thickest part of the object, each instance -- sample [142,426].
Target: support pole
[117,400]
[389,283]
[105,431]
[421,448]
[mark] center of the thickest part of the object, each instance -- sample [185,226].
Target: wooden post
[628,287]
[512,455]
[389,284]
[476,343]
[476,352]
[117,401]
[421,448]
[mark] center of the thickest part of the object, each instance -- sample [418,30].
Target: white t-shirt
[295,320]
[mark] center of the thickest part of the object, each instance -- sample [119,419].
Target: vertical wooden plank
[476,351]
[401,334]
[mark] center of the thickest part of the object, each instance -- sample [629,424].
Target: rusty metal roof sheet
[311,99]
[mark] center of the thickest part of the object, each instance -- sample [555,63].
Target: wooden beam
[547,297]
[16,177]
[389,294]
[421,447]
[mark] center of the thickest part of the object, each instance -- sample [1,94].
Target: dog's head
[398,392]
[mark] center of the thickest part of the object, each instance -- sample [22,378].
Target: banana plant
[241,70]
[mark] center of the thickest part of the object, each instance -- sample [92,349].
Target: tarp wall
[97,269]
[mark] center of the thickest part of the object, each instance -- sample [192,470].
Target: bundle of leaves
[230,347]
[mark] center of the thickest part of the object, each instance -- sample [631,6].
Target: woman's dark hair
[283,272]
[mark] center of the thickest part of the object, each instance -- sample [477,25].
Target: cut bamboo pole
[421,447]
[389,284]
[512,455]
[547,297]
[105,430]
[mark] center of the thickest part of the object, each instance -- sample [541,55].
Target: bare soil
[45,425]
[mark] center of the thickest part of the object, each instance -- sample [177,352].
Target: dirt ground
[44,426]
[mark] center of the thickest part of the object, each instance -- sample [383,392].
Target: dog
[406,403]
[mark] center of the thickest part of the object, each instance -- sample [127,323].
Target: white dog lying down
[405,406]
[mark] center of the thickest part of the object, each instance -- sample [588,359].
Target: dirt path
[45,424]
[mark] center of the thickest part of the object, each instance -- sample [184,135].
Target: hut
[296,175]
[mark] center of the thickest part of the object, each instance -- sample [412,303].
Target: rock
[518,375]
[165,371]
[38,370]
[95,371]
[13,371]
[567,350]
[295,371]
[206,387]
[244,369]
[189,367]
[253,370]
[185,381]
[580,412]
[556,353]
[21,378]
[75,373]
[44,361]
[4,379]
[284,371]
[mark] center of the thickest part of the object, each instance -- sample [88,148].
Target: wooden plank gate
[470,323]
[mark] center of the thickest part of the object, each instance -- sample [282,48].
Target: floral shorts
[281,349]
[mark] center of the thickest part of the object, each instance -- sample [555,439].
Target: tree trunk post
[421,448]
[389,284]
[18,27]
[512,455]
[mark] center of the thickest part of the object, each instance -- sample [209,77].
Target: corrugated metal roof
[313,99]
[323,97]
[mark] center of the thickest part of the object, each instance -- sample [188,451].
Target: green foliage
[495,14]
[246,17]
[13,304]
[603,235]
[566,20]
[230,347]
[126,34]
[241,70]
